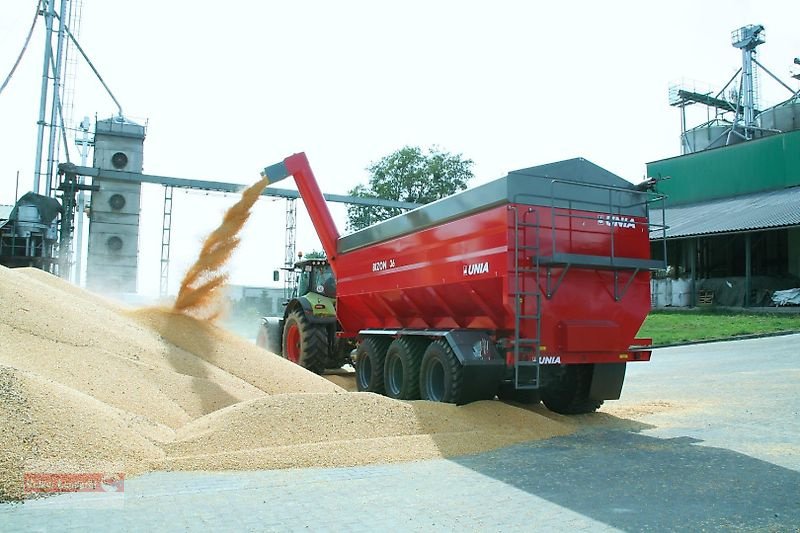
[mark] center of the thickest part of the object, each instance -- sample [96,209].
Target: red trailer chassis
[529,286]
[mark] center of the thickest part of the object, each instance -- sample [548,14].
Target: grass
[670,327]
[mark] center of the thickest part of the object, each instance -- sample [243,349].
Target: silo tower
[112,260]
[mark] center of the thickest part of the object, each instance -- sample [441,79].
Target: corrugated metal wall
[764,164]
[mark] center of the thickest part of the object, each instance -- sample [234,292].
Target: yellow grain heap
[87,385]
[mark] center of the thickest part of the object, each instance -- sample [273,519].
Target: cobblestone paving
[726,457]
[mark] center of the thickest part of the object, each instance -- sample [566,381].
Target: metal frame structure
[166,236]
[745,107]
[71,172]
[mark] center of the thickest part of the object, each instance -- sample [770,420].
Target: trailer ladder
[526,287]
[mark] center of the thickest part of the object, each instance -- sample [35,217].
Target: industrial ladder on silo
[523,276]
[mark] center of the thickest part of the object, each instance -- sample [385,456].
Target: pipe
[297,165]
[48,19]
[56,103]
[91,65]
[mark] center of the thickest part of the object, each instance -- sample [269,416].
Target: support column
[747,267]
[693,245]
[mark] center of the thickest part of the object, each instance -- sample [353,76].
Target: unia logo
[473,269]
[616,221]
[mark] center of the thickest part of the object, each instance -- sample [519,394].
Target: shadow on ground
[611,473]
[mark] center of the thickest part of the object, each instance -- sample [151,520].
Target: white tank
[710,135]
[783,117]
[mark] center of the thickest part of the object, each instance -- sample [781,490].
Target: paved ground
[706,438]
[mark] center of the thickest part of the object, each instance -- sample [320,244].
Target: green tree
[314,254]
[408,175]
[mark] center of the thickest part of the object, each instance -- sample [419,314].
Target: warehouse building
[733,217]
[732,207]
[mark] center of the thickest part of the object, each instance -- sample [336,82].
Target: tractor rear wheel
[401,368]
[305,343]
[441,376]
[568,393]
[370,355]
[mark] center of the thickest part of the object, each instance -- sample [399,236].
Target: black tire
[568,393]
[268,337]
[370,355]
[441,376]
[508,393]
[401,368]
[313,341]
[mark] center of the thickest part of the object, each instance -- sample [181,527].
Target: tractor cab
[315,275]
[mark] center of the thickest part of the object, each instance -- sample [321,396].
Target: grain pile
[87,385]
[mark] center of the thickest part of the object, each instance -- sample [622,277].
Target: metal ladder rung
[526,254]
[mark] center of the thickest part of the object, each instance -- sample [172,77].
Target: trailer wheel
[441,376]
[401,368]
[370,355]
[508,393]
[305,343]
[568,394]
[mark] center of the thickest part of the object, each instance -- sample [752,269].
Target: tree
[408,175]
[315,254]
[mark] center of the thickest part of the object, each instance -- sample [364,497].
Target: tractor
[307,332]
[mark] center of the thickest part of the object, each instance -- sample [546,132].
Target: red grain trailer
[531,286]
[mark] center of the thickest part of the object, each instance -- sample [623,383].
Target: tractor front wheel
[305,343]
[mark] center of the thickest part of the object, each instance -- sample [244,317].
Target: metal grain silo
[712,134]
[784,116]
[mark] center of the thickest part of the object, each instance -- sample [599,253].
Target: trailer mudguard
[607,381]
[472,347]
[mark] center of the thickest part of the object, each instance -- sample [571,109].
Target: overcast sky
[229,87]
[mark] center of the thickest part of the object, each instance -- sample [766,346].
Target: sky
[226,88]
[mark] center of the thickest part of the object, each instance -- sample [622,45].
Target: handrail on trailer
[611,262]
